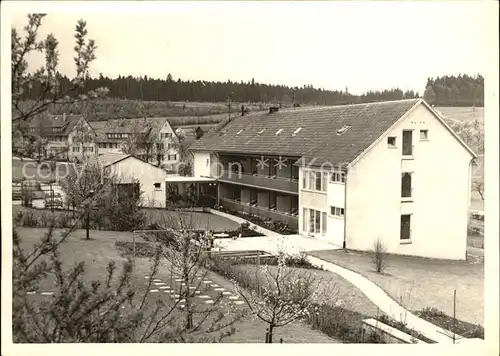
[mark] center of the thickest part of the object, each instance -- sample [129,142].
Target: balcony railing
[288,185]
[290,219]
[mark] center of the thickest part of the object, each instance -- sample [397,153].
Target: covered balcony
[190,192]
[269,172]
[264,203]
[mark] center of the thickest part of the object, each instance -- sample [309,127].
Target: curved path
[296,243]
[386,303]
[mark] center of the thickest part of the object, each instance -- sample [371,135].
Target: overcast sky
[333,45]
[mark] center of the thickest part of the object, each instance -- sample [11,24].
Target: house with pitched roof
[151,139]
[65,136]
[130,170]
[348,175]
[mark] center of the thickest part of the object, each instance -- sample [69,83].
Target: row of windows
[165,135]
[117,135]
[392,140]
[108,145]
[315,222]
[85,149]
[318,181]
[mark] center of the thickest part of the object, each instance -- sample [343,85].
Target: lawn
[99,251]
[418,283]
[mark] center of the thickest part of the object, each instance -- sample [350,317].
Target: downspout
[345,209]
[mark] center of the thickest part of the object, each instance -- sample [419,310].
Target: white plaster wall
[201,165]
[441,189]
[147,175]
[72,155]
[336,194]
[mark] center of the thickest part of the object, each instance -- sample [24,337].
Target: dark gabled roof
[141,125]
[109,159]
[51,120]
[318,136]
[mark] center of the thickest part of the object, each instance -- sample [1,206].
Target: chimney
[64,117]
[242,110]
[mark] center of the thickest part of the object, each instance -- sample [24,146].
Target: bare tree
[46,80]
[379,255]
[81,185]
[472,133]
[186,255]
[285,295]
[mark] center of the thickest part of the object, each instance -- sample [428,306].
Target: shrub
[446,322]
[402,327]
[29,219]
[379,255]
[274,225]
[334,321]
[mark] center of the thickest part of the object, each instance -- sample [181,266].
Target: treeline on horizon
[461,90]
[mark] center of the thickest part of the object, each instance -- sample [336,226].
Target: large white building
[348,175]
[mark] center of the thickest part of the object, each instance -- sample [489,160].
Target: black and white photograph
[250,173]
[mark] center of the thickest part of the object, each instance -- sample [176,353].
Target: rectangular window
[407,142]
[391,141]
[338,177]
[338,212]
[406,188]
[311,221]
[317,221]
[157,185]
[304,220]
[323,223]
[424,135]
[317,185]
[76,149]
[405,227]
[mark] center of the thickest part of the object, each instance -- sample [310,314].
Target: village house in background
[337,172]
[63,136]
[161,141]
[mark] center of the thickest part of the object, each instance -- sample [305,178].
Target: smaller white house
[151,178]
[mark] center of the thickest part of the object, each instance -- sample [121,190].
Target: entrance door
[315,223]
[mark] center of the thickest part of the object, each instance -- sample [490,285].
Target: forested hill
[462,90]
[168,89]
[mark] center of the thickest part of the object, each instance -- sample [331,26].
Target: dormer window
[296,131]
[343,129]
[279,131]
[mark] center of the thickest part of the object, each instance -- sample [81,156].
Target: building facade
[348,175]
[128,168]
[68,137]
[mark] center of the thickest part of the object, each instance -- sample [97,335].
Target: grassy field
[114,108]
[461,113]
[419,283]
[99,251]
